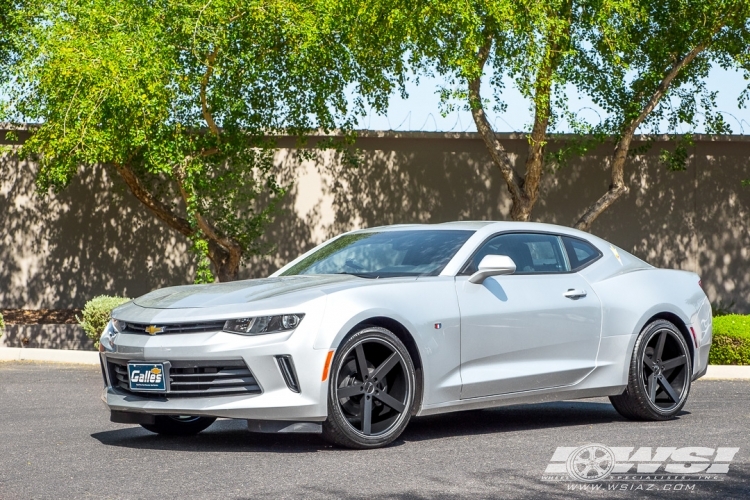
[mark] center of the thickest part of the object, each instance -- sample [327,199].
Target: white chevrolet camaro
[374,326]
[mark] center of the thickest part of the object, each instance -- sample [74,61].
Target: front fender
[428,310]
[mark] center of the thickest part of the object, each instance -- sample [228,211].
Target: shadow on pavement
[513,419]
[232,435]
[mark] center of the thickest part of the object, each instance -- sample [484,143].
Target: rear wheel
[182,425]
[371,392]
[660,373]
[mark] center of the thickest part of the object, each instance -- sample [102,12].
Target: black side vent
[286,365]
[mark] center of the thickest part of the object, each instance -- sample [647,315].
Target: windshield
[385,254]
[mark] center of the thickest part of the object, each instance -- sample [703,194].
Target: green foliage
[528,43]
[731,341]
[733,325]
[623,63]
[96,314]
[676,161]
[183,99]
[2,325]
[203,272]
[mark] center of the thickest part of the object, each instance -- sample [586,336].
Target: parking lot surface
[56,441]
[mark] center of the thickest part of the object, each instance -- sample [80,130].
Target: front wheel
[178,425]
[660,373]
[371,391]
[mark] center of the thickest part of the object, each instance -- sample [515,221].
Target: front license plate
[147,377]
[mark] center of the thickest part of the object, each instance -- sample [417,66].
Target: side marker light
[327,366]
[695,340]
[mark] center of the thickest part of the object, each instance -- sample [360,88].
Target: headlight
[263,324]
[119,325]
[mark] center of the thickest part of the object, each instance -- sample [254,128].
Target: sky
[420,112]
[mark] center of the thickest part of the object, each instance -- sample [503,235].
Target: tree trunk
[497,152]
[524,191]
[616,189]
[226,262]
[224,253]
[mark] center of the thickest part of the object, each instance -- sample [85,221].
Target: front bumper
[276,401]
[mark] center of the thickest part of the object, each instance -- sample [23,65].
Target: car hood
[238,292]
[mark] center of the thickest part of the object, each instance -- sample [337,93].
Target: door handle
[572,293]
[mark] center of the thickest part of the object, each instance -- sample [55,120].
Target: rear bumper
[276,401]
[700,367]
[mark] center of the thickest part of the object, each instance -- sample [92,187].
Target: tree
[182,99]
[11,26]
[654,70]
[524,40]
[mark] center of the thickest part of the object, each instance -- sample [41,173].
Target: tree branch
[206,227]
[204,84]
[618,187]
[557,43]
[664,85]
[497,151]
[157,207]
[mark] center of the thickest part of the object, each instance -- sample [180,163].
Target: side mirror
[493,265]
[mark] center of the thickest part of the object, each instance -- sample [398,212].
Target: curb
[727,372]
[50,355]
[715,372]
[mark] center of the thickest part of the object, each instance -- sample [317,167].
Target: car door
[534,329]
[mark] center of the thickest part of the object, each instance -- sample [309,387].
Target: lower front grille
[193,379]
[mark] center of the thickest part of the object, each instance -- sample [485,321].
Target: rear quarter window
[580,253]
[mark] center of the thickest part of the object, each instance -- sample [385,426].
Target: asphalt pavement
[56,441]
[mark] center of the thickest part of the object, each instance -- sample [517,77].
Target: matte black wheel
[371,392]
[660,373]
[179,425]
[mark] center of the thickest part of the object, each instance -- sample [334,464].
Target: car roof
[483,227]
[457,225]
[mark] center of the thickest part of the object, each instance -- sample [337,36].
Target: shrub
[2,325]
[95,315]
[731,344]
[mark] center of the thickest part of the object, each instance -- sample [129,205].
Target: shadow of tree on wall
[93,238]
[417,181]
[696,220]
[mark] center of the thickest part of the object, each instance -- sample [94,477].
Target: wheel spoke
[382,370]
[361,362]
[649,362]
[652,387]
[367,416]
[674,362]
[349,391]
[668,389]
[660,345]
[389,400]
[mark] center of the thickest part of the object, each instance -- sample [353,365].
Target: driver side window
[532,253]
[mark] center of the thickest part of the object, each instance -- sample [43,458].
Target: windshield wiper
[361,275]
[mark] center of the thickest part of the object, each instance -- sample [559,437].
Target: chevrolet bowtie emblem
[153,329]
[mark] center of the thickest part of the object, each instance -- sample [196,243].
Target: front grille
[211,326]
[193,379]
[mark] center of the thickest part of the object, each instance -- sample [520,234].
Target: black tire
[659,377]
[178,425]
[387,389]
